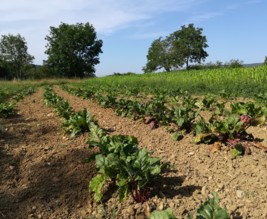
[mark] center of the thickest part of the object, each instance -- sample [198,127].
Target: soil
[45,174]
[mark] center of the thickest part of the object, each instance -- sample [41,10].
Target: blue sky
[235,29]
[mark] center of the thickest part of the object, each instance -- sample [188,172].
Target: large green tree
[180,48]
[73,50]
[190,44]
[14,56]
[161,55]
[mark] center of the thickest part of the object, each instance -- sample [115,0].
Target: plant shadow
[171,186]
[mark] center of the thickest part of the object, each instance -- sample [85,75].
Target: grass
[10,88]
[244,82]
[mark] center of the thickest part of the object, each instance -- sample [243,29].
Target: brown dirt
[44,174]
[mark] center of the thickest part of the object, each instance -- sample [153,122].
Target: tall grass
[244,82]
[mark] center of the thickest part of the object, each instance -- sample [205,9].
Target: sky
[235,29]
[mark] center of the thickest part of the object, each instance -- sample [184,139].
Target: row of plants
[119,161]
[182,114]
[8,107]
[74,123]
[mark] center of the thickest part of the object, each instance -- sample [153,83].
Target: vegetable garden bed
[46,172]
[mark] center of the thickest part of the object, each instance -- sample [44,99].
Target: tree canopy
[14,56]
[180,48]
[73,50]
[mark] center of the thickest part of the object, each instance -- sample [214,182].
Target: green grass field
[246,82]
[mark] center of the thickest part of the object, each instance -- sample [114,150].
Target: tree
[73,50]
[160,55]
[265,61]
[234,63]
[157,56]
[190,44]
[14,55]
[181,47]
[4,71]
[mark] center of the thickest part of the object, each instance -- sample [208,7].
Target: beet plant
[64,109]
[231,128]
[211,209]
[129,108]
[6,109]
[183,119]
[78,123]
[121,161]
[156,112]
[108,101]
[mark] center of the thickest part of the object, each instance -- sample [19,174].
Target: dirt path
[43,173]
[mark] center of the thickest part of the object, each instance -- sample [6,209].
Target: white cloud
[106,15]
[205,16]
[32,18]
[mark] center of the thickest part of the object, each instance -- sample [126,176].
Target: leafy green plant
[23,93]
[212,210]
[208,101]
[183,120]
[78,123]
[230,128]
[162,214]
[237,150]
[156,112]
[256,112]
[107,101]
[129,108]
[121,162]
[6,109]
[50,98]
[64,109]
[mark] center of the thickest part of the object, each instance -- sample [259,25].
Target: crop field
[187,144]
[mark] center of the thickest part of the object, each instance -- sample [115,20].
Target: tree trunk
[187,62]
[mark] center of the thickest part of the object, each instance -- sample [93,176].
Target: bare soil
[45,174]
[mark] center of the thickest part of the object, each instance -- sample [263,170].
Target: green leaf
[164,214]
[95,185]
[211,209]
[238,150]
[177,136]
[96,134]
[123,188]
